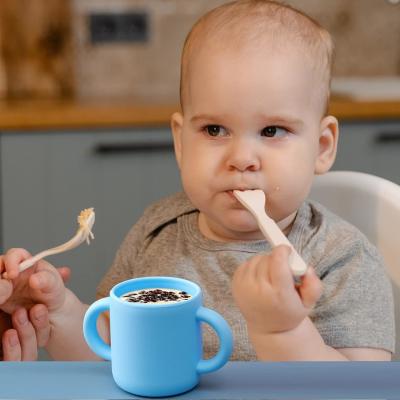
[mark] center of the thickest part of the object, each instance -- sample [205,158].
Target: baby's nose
[243,156]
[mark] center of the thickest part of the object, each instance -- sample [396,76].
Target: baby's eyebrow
[204,117]
[264,119]
[281,120]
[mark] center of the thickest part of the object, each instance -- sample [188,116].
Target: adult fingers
[26,335]
[310,289]
[39,318]
[278,268]
[5,322]
[11,346]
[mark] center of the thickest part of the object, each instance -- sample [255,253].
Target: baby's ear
[328,139]
[177,128]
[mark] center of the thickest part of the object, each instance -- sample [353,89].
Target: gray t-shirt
[355,309]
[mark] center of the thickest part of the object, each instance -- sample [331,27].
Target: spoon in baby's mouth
[254,201]
[283,223]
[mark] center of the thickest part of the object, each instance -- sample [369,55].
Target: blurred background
[131,48]
[87,88]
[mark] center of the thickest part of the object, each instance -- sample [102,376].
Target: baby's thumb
[48,286]
[310,289]
[45,281]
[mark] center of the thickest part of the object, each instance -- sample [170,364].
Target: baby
[255,78]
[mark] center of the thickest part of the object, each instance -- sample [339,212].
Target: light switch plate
[119,27]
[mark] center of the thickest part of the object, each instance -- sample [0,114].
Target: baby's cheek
[286,199]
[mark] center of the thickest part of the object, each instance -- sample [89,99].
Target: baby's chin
[237,225]
[243,227]
[244,235]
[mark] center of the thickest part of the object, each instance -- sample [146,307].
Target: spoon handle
[276,237]
[72,243]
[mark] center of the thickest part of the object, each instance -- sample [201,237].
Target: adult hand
[23,333]
[40,284]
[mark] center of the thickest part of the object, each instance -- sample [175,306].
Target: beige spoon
[85,220]
[254,201]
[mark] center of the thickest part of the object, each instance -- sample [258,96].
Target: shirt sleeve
[356,307]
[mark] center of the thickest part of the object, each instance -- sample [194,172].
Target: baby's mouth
[230,193]
[241,190]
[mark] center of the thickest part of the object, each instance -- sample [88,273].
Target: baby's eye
[274,131]
[215,130]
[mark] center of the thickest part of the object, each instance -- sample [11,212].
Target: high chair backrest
[370,203]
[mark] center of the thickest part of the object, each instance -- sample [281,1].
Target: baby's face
[250,121]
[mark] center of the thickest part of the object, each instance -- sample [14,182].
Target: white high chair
[372,204]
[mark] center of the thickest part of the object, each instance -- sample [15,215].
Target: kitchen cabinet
[47,178]
[372,147]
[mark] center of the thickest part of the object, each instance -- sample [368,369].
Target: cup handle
[92,337]
[224,333]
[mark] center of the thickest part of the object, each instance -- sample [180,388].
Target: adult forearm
[66,339]
[304,343]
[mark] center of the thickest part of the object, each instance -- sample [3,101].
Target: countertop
[43,115]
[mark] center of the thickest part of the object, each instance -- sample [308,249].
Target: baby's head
[255,79]
[262,26]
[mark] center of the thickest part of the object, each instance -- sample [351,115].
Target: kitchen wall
[144,71]
[366,32]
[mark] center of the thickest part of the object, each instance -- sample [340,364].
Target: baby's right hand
[40,284]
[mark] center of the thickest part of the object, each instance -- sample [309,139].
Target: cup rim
[117,296]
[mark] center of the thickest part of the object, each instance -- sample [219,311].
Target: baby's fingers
[65,273]
[11,260]
[310,289]
[279,271]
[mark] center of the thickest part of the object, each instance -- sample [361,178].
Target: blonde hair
[244,21]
